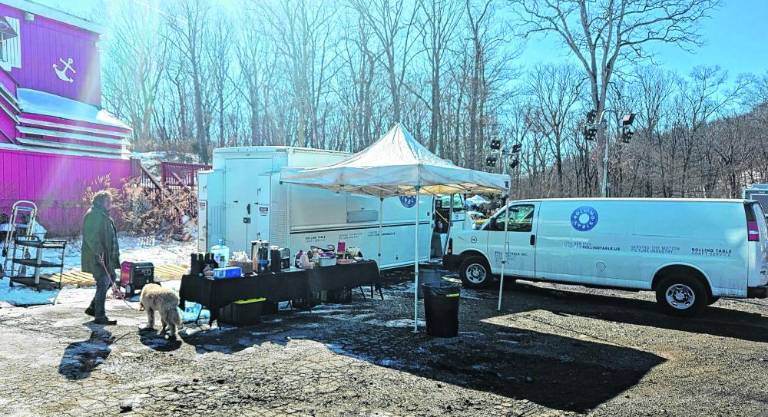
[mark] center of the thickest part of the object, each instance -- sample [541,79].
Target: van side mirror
[493,223]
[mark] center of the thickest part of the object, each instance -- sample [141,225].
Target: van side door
[520,239]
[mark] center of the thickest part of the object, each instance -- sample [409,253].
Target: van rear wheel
[475,272]
[681,296]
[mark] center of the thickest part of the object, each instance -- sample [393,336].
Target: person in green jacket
[101,254]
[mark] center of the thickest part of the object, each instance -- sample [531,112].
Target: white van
[690,252]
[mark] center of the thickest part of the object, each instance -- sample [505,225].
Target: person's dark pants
[103,283]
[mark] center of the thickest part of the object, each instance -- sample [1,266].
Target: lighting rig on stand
[595,125]
[512,156]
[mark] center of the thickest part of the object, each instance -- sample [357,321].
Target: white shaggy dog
[164,301]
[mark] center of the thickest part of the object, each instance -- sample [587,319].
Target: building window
[10,43]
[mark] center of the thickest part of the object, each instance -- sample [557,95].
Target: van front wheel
[681,296]
[474,272]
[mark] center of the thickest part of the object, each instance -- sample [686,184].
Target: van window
[520,219]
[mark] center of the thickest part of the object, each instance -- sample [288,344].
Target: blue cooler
[228,272]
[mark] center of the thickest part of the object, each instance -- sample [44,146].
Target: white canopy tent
[398,165]
[477,200]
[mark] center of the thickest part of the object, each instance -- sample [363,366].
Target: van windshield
[520,219]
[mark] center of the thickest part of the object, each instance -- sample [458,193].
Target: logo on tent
[408,201]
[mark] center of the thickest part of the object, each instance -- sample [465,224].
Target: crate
[246,267]
[243,312]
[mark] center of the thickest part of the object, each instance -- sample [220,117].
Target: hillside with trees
[190,76]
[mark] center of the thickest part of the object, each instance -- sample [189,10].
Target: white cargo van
[242,199]
[690,252]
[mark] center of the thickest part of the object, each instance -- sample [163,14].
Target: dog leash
[115,290]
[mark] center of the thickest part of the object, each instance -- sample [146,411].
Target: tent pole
[450,224]
[416,269]
[504,249]
[381,220]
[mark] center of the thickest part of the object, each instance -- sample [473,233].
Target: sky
[735,36]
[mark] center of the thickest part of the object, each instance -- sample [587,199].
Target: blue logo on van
[408,201]
[584,218]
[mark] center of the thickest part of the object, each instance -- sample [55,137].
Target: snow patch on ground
[386,362]
[132,248]
[20,295]
[400,323]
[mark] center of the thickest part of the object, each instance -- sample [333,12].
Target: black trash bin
[441,307]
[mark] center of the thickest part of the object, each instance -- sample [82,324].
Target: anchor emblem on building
[62,72]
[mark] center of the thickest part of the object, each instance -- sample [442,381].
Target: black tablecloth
[291,285]
[337,277]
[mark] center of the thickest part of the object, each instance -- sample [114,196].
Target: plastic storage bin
[243,312]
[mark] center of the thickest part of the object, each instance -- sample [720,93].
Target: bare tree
[135,68]
[440,19]
[189,26]
[604,35]
[392,22]
[303,35]
[555,91]
[219,55]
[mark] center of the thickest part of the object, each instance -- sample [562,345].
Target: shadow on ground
[713,320]
[550,370]
[81,358]
[154,340]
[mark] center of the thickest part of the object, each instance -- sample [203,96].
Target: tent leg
[381,220]
[450,224]
[416,269]
[504,250]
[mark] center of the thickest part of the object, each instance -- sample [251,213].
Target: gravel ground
[553,350]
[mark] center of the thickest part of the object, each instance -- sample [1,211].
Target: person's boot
[105,321]
[89,311]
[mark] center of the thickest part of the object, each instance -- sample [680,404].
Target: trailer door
[247,202]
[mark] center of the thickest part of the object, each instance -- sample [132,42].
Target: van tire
[682,295]
[712,300]
[475,272]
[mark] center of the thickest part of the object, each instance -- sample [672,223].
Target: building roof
[54,14]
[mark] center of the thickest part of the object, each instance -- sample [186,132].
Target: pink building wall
[48,158]
[56,183]
[43,43]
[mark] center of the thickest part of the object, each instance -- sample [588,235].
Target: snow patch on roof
[40,102]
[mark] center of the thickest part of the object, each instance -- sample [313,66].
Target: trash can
[441,308]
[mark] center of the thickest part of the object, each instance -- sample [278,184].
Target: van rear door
[757,236]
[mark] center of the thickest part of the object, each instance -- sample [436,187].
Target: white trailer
[242,199]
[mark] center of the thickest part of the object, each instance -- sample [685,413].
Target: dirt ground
[553,350]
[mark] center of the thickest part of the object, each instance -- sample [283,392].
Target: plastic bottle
[220,253]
